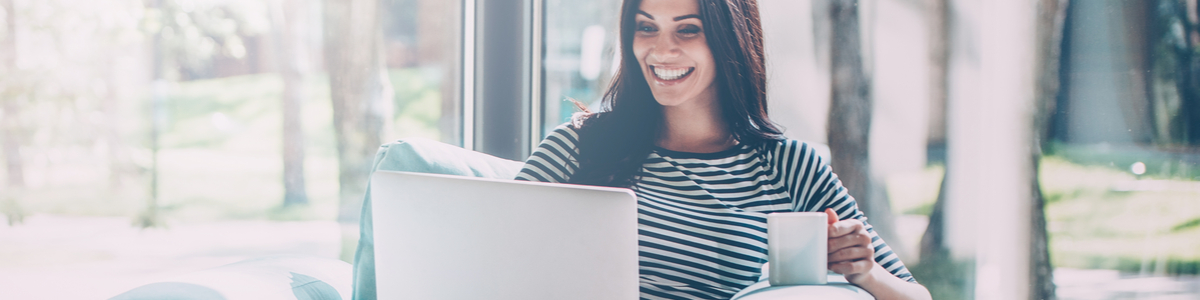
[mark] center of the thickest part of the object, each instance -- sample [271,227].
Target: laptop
[454,237]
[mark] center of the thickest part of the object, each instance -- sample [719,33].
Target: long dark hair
[614,143]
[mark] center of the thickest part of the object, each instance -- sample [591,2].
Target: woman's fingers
[851,254]
[852,267]
[847,233]
[845,227]
[850,249]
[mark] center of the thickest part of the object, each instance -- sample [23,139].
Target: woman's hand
[850,251]
[851,254]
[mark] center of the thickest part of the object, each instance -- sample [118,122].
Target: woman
[685,126]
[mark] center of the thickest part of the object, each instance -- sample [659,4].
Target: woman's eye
[689,30]
[645,27]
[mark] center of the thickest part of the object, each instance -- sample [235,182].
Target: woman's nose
[665,47]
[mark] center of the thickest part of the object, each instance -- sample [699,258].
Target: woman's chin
[668,101]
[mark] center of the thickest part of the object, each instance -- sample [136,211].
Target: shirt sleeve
[554,160]
[814,187]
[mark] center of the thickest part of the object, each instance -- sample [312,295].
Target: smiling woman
[684,124]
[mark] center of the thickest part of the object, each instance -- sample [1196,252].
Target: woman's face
[671,49]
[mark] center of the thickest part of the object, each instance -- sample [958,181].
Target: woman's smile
[670,75]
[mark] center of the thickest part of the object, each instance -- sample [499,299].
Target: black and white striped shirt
[702,216]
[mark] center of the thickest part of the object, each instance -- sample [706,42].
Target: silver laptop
[453,237]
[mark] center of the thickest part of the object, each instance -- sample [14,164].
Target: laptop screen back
[453,237]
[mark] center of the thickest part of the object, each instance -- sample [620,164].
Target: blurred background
[149,138]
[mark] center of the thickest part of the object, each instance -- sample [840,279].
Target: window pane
[580,43]
[422,41]
[144,141]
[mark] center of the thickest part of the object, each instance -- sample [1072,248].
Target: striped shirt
[702,230]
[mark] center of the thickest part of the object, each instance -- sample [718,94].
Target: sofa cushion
[273,277]
[423,156]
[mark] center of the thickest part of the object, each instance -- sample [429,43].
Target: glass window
[422,38]
[145,140]
[580,45]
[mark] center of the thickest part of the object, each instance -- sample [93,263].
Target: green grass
[1160,164]
[914,193]
[1094,225]
[1093,222]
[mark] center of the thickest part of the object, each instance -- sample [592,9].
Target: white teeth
[671,74]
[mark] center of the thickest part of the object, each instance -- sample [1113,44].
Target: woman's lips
[669,75]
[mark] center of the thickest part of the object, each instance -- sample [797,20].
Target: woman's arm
[554,159]
[885,286]
[850,254]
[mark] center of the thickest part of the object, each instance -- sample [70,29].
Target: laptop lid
[454,237]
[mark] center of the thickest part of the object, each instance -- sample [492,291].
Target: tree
[185,37]
[290,23]
[9,122]
[849,129]
[1174,83]
[1051,15]
[360,92]
[933,245]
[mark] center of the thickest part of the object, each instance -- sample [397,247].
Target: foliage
[220,155]
[1174,88]
[67,54]
[193,33]
[1159,163]
[944,279]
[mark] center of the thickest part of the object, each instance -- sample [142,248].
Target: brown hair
[614,143]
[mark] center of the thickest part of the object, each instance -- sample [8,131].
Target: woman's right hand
[850,251]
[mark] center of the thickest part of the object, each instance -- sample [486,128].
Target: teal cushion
[424,156]
[273,277]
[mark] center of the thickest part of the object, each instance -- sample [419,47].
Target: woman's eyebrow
[676,18]
[686,17]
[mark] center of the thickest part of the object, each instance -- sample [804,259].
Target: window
[581,44]
[145,139]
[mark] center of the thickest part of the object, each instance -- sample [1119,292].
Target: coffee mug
[797,248]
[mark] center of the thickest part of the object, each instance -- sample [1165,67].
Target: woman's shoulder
[578,123]
[565,135]
[784,145]
[798,151]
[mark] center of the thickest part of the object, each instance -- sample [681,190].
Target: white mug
[797,248]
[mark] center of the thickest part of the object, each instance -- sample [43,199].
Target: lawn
[1100,216]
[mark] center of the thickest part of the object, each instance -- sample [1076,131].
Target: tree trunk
[360,93]
[12,148]
[1051,15]
[10,128]
[1187,70]
[939,38]
[933,245]
[290,23]
[117,162]
[850,120]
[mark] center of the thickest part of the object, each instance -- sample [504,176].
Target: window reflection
[580,42]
